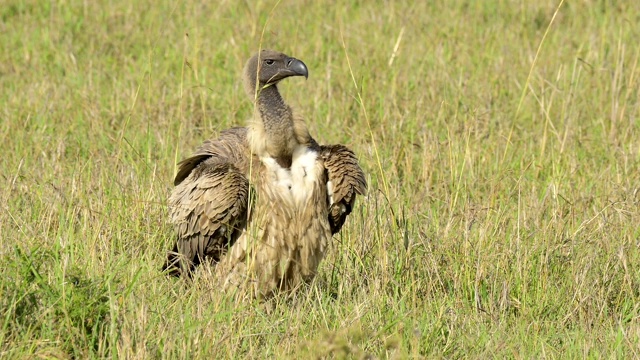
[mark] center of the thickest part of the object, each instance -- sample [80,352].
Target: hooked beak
[295,67]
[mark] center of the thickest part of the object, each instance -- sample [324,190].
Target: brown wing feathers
[229,147]
[208,206]
[347,181]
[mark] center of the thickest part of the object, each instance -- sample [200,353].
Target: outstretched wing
[229,148]
[208,206]
[346,180]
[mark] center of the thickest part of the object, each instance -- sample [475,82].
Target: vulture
[261,203]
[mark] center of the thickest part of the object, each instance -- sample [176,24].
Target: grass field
[502,220]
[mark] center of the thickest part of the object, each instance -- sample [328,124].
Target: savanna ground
[503,213]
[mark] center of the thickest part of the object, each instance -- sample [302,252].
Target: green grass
[503,217]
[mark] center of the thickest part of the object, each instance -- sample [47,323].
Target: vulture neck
[275,128]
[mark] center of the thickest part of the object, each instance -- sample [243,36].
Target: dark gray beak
[297,68]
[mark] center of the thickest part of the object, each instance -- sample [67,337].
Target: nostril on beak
[289,61]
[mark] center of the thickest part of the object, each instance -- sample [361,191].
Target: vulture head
[269,67]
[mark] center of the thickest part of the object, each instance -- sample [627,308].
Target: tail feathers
[177,265]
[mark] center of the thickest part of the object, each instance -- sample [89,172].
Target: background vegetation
[503,215]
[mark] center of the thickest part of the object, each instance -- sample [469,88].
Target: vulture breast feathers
[261,202]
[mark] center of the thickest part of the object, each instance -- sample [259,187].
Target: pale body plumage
[262,202]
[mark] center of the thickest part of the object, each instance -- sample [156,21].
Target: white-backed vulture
[261,202]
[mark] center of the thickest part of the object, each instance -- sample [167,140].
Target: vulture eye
[269,61]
